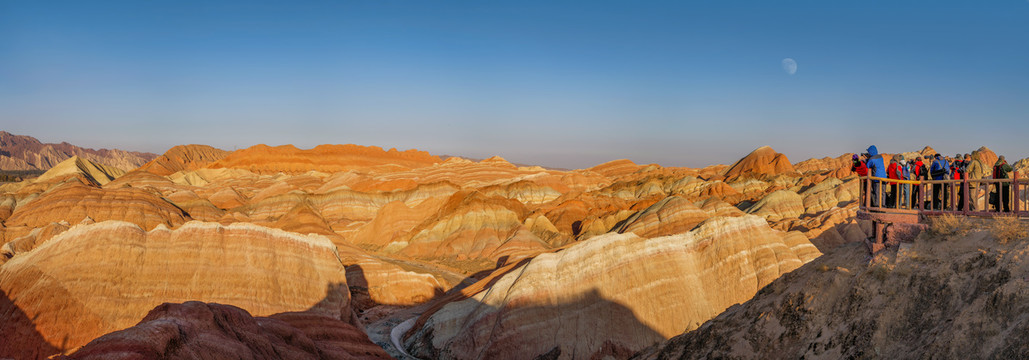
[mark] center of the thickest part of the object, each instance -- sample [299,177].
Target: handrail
[954,196]
[897,180]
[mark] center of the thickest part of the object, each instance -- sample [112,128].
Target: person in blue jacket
[905,189]
[940,170]
[876,168]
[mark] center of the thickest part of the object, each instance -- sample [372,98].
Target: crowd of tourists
[902,194]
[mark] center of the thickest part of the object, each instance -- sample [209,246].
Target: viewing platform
[899,215]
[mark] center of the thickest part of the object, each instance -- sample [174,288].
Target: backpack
[999,173]
[939,169]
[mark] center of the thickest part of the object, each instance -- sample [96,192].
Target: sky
[556,83]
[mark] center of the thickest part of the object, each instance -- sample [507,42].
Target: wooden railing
[962,197]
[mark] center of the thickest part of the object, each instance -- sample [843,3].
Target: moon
[789,65]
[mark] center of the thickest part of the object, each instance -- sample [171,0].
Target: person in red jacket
[957,168]
[891,172]
[858,165]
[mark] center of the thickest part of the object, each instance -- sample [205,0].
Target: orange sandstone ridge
[263,159]
[762,161]
[184,158]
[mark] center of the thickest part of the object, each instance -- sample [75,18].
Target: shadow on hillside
[19,338]
[222,331]
[360,289]
[591,326]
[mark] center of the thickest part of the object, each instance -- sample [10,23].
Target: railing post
[953,197]
[964,198]
[921,195]
[1014,188]
[865,199]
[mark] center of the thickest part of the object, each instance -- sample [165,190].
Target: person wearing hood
[940,170]
[1000,171]
[876,168]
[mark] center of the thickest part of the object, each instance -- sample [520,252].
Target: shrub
[948,225]
[1007,228]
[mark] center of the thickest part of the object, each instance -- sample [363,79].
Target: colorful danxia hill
[348,251]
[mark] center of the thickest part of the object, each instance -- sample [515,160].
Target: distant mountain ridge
[21,152]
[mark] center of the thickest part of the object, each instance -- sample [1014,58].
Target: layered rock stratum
[98,278]
[599,297]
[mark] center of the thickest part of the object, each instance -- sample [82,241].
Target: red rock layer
[196,330]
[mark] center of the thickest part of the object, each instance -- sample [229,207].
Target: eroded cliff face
[406,230]
[941,297]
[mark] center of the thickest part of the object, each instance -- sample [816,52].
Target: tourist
[905,189]
[858,165]
[893,173]
[1000,171]
[939,170]
[915,173]
[974,170]
[957,173]
[877,169]
[926,177]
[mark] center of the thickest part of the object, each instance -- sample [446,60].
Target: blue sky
[558,83]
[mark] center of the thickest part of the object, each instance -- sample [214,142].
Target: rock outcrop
[671,215]
[196,330]
[86,171]
[779,205]
[74,202]
[762,161]
[598,298]
[95,279]
[184,158]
